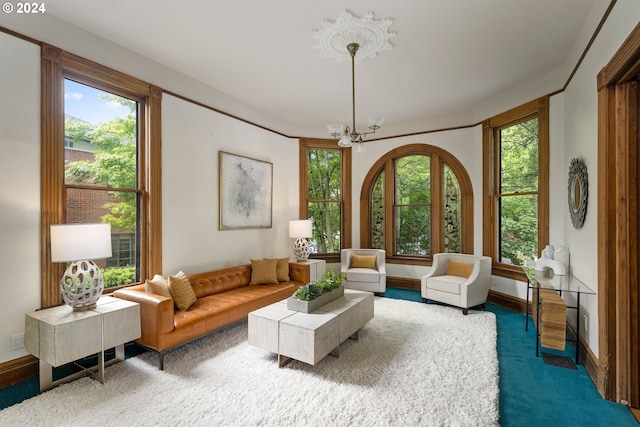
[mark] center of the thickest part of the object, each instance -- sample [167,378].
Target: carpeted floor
[531,392]
[414,364]
[535,394]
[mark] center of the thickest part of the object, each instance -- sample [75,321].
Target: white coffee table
[309,337]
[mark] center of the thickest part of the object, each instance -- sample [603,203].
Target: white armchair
[460,280]
[365,269]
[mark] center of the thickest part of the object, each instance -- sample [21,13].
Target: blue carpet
[532,393]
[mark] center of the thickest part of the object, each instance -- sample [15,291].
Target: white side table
[58,335]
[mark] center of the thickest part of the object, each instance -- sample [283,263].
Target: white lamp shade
[74,242]
[300,228]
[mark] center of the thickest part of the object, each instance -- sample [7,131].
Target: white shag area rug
[414,364]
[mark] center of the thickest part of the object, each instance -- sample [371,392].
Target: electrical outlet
[585,322]
[17,341]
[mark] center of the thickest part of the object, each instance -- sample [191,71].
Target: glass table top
[563,283]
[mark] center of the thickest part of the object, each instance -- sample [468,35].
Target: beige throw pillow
[158,286]
[263,271]
[459,268]
[282,269]
[363,261]
[181,291]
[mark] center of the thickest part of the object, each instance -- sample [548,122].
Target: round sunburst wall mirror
[578,191]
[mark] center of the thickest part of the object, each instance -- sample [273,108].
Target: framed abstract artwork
[245,192]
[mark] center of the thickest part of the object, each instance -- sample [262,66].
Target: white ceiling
[448,56]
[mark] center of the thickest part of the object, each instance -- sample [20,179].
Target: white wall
[192,136]
[191,139]
[20,189]
[581,140]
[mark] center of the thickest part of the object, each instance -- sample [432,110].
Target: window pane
[413,225]
[518,239]
[121,210]
[324,175]
[452,211]
[326,227]
[519,157]
[101,151]
[377,213]
[100,137]
[413,180]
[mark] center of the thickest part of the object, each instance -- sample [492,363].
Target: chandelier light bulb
[345,141]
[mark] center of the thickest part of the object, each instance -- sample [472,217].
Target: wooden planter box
[295,304]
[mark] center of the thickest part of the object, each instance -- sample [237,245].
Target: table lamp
[300,230]
[82,282]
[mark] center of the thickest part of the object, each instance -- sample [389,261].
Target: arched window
[417,200]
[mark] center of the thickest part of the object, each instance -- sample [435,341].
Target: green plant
[308,292]
[118,276]
[329,281]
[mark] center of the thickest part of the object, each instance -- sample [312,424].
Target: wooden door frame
[618,293]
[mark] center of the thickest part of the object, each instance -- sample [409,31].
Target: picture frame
[245,192]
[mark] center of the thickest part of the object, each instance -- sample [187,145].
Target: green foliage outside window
[118,276]
[325,201]
[113,144]
[518,201]
[413,205]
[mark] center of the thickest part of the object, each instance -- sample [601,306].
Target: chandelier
[365,35]
[348,137]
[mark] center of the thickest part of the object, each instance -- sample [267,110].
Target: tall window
[412,211]
[101,172]
[516,186]
[325,195]
[98,165]
[418,201]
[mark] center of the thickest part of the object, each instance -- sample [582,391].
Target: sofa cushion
[449,283]
[459,268]
[158,286]
[362,275]
[181,291]
[264,271]
[363,261]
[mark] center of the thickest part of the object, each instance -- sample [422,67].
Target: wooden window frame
[539,109]
[439,157]
[306,144]
[57,65]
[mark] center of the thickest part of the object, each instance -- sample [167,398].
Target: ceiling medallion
[371,35]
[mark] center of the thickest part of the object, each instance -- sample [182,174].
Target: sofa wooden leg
[465,311]
[424,300]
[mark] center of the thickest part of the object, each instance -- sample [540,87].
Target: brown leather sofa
[223,297]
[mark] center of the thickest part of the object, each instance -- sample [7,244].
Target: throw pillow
[363,261]
[181,291]
[263,271]
[459,268]
[282,269]
[158,286]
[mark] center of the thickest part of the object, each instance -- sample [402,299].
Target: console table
[59,335]
[536,280]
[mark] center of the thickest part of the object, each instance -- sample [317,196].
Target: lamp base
[301,249]
[80,308]
[81,285]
